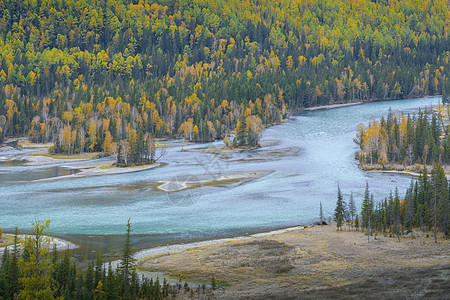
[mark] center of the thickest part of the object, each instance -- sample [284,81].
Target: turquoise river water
[305,159]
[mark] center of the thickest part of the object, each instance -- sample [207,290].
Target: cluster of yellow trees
[84,74]
[405,139]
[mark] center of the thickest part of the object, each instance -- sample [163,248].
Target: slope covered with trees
[403,140]
[91,75]
[32,270]
[425,207]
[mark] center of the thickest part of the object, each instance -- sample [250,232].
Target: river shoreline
[332,106]
[311,262]
[93,169]
[283,180]
[61,244]
[166,250]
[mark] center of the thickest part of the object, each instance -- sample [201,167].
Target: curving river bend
[305,160]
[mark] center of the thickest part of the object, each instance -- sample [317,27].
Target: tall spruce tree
[128,262]
[352,206]
[339,212]
[365,208]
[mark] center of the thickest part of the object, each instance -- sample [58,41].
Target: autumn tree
[35,264]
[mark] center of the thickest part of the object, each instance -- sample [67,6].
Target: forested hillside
[101,75]
[402,141]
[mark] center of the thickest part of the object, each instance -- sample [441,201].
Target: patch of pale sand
[173,186]
[42,158]
[61,244]
[163,250]
[299,260]
[102,168]
[6,240]
[26,143]
[331,106]
[181,184]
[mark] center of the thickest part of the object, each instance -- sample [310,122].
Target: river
[305,159]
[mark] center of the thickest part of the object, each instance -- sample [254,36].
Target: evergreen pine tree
[445,96]
[111,291]
[240,138]
[410,208]
[365,209]
[4,270]
[339,213]
[14,271]
[127,264]
[98,271]
[396,216]
[352,206]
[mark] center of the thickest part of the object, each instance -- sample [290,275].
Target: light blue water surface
[289,195]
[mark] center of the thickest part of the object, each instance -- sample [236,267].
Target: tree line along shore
[96,76]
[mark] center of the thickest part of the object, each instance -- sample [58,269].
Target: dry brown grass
[6,240]
[415,169]
[85,155]
[315,262]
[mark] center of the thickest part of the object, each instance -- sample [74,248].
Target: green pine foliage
[40,273]
[425,207]
[84,74]
[401,140]
[340,211]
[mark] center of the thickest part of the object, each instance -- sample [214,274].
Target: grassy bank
[415,169]
[314,262]
[83,156]
[6,240]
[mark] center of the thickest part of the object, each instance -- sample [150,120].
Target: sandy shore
[178,248]
[25,143]
[414,170]
[315,262]
[330,106]
[61,244]
[101,168]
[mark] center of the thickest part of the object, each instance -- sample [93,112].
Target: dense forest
[401,141]
[425,207]
[404,140]
[32,270]
[94,75]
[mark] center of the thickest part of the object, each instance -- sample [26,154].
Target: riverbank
[413,170]
[85,164]
[102,168]
[331,106]
[6,240]
[314,262]
[61,244]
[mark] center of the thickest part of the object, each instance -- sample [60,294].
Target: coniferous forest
[99,76]
[115,77]
[401,141]
[425,207]
[30,269]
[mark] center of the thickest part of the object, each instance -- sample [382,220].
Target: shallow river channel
[234,193]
